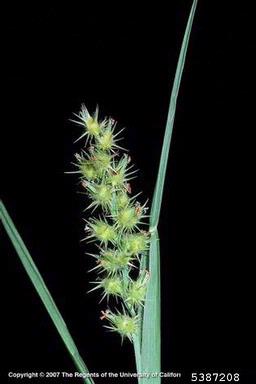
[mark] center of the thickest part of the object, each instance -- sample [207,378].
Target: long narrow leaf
[42,291]
[151,331]
[158,192]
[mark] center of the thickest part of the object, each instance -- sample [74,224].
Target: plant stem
[137,352]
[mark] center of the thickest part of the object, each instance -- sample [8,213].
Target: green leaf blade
[42,291]
[158,192]
[151,324]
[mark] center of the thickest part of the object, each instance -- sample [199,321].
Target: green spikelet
[123,323]
[136,290]
[135,243]
[113,261]
[102,231]
[121,200]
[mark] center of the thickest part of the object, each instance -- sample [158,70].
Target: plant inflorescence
[116,226]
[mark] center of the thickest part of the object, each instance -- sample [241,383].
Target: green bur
[113,261]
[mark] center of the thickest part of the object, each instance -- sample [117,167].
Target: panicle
[105,173]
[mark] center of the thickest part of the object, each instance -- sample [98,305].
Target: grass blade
[151,327]
[158,192]
[42,290]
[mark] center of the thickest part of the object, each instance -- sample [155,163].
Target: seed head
[112,286]
[136,290]
[127,219]
[101,161]
[90,123]
[101,194]
[114,261]
[135,243]
[124,324]
[122,200]
[105,176]
[86,167]
[102,231]
[105,140]
[120,173]
[88,170]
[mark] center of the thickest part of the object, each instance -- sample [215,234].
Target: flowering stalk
[116,225]
[123,245]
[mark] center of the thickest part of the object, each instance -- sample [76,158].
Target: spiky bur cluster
[105,173]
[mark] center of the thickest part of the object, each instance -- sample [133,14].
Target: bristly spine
[116,226]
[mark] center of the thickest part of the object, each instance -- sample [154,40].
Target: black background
[124,58]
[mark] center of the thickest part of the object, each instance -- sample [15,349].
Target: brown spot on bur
[138,209]
[128,187]
[104,314]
